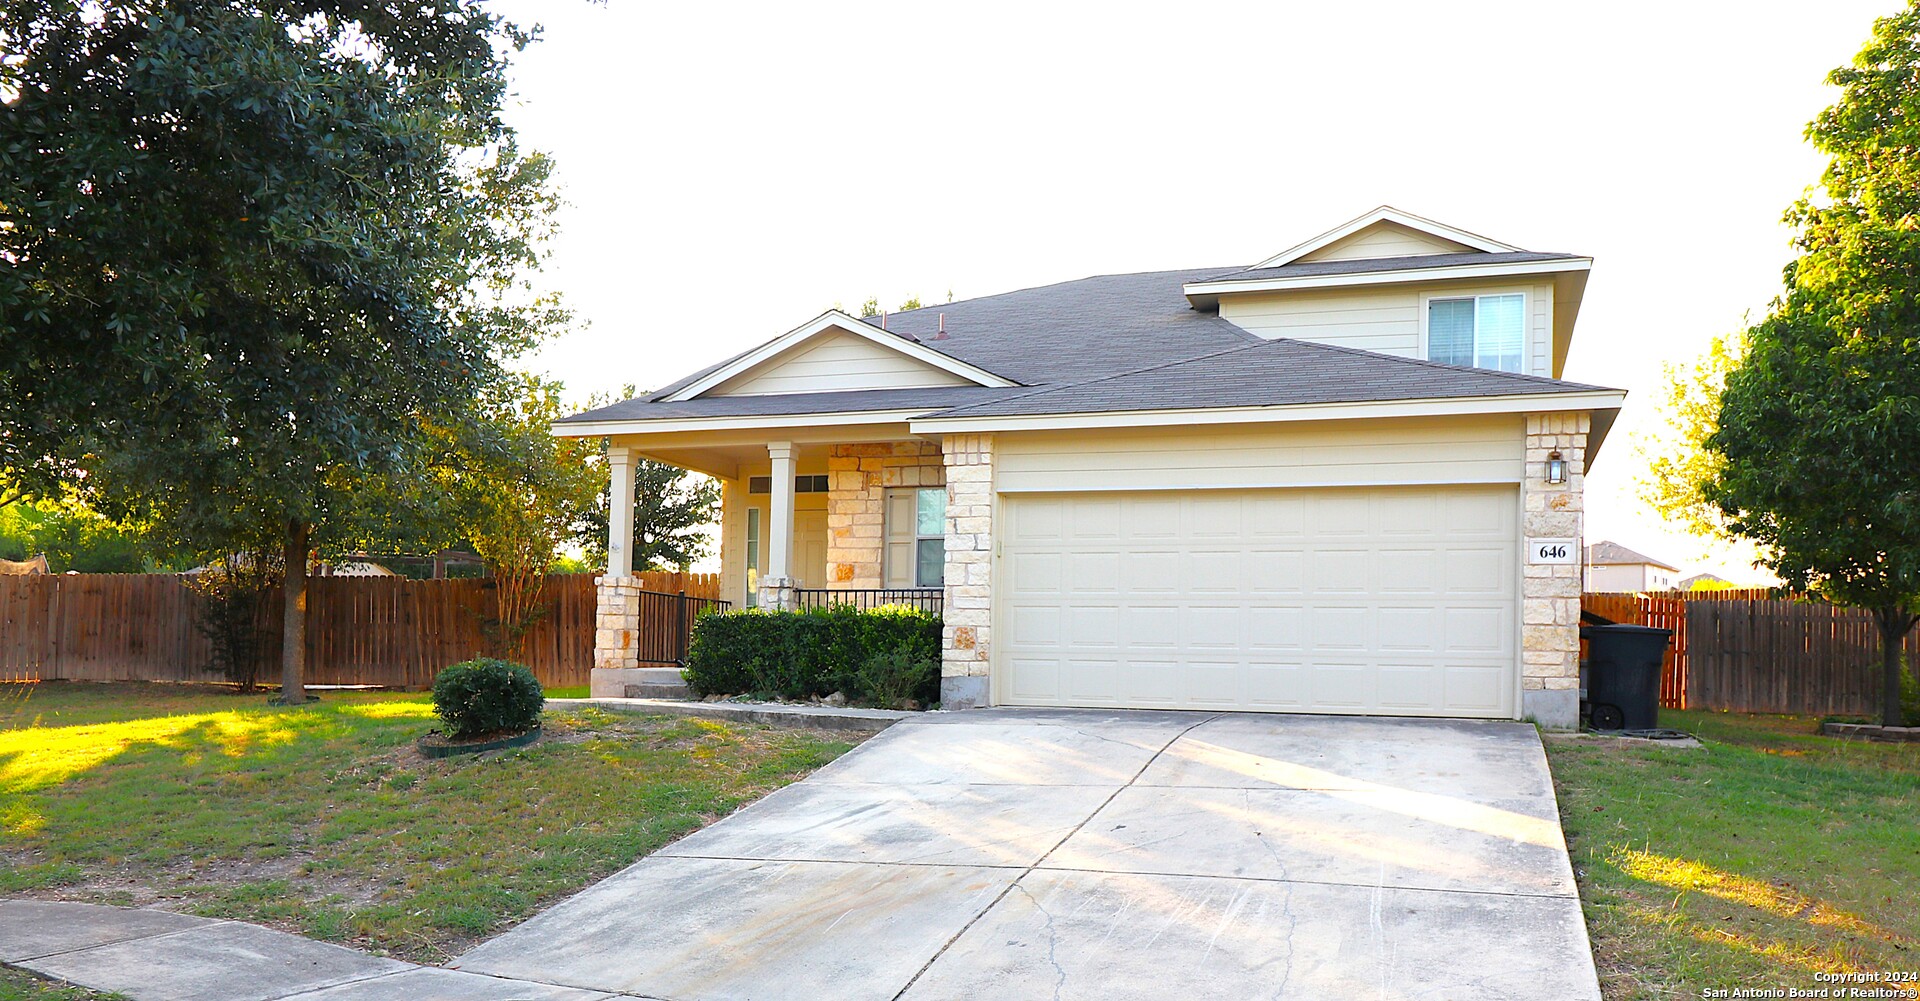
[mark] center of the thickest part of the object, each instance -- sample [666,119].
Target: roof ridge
[1430,363]
[1034,288]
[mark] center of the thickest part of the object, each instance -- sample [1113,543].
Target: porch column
[776,588]
[620,512]
[616,647]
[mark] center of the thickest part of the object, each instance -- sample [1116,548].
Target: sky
[733,169]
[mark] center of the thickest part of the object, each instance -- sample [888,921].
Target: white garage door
[1395,601]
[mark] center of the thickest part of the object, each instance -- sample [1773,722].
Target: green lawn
[325,820]
[1772,854]
[17,985]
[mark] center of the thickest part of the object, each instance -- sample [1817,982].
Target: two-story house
[1344,479]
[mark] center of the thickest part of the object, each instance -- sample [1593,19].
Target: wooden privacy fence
[1753,651]
[388,631]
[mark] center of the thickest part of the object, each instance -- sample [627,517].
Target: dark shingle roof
[1611,553]
[1125,342]
[1320,269]
[1063,333]
[846,401]
[1280,372]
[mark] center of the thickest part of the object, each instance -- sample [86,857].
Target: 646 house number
[1553,551]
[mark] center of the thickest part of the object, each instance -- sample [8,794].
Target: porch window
[1481,331]
[916,526]
[811,483]
[753,557]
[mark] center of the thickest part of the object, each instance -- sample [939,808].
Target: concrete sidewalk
[1004,854]
[160,956]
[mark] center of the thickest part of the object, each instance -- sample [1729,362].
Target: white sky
[733,171]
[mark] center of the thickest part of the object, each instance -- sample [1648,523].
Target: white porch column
[620,512]
[776,588]
[617,615]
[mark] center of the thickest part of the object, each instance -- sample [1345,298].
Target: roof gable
[1386,239]
[835,352]
[1382,228]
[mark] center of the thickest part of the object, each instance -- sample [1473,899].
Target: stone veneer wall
[1550,594]
[616,622]
[967,638]
[857,478]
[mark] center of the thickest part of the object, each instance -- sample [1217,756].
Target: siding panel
[835,361]
[1382,318]
[1472,450]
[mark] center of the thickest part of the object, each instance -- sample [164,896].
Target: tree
[1817,422]
[1674,460]
[673,510]
[514,492]
[251,245]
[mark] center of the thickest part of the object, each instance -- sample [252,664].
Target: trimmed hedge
[485,695]
[868,655]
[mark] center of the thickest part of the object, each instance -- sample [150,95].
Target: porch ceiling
[725,453]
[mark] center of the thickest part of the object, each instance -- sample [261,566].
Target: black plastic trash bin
[1623,675]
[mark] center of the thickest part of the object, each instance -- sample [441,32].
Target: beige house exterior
[1347,479]
[1612,567]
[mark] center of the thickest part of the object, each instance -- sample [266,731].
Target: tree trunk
[1894,624]
[293,623]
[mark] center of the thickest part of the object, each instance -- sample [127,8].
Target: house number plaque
[1553,551]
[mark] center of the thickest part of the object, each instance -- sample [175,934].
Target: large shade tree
[1813,447]
[248,246]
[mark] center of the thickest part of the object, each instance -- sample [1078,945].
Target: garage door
[1396,601]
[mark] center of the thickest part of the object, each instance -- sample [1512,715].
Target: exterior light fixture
[1556,468]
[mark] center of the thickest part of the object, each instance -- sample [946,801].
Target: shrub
[892,678]
[807,654]
[233,615]
[485,695]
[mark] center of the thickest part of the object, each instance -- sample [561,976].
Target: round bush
[485,695]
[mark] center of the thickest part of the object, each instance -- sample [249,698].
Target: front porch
[829,516]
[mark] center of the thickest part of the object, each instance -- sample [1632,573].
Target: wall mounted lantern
[1556,468]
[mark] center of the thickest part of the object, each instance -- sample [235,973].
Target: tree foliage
[1674,460]
[250,245]
[1817,424]
[514,492]
[673,514]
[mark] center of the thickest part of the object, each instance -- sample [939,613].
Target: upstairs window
[1480,331]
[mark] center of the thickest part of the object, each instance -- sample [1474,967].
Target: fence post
[680,629]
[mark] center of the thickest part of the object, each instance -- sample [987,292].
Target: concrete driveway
[1105,855]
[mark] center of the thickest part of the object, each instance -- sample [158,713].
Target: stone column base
[966,692]
[1552,708]
[616,622]
[776,594]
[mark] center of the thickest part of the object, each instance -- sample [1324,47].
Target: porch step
[640,683]
[679,691]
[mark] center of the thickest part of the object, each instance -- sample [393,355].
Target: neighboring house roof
[1614,554]
[1280,372]
[1687,583]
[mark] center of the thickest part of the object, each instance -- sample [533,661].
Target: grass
[18,985]
[326,822]
[1769,856]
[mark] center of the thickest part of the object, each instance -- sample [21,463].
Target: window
[916,552]
[1482,331]
[753,557]
[815,483]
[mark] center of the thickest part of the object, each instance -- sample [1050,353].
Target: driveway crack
[1029,870]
